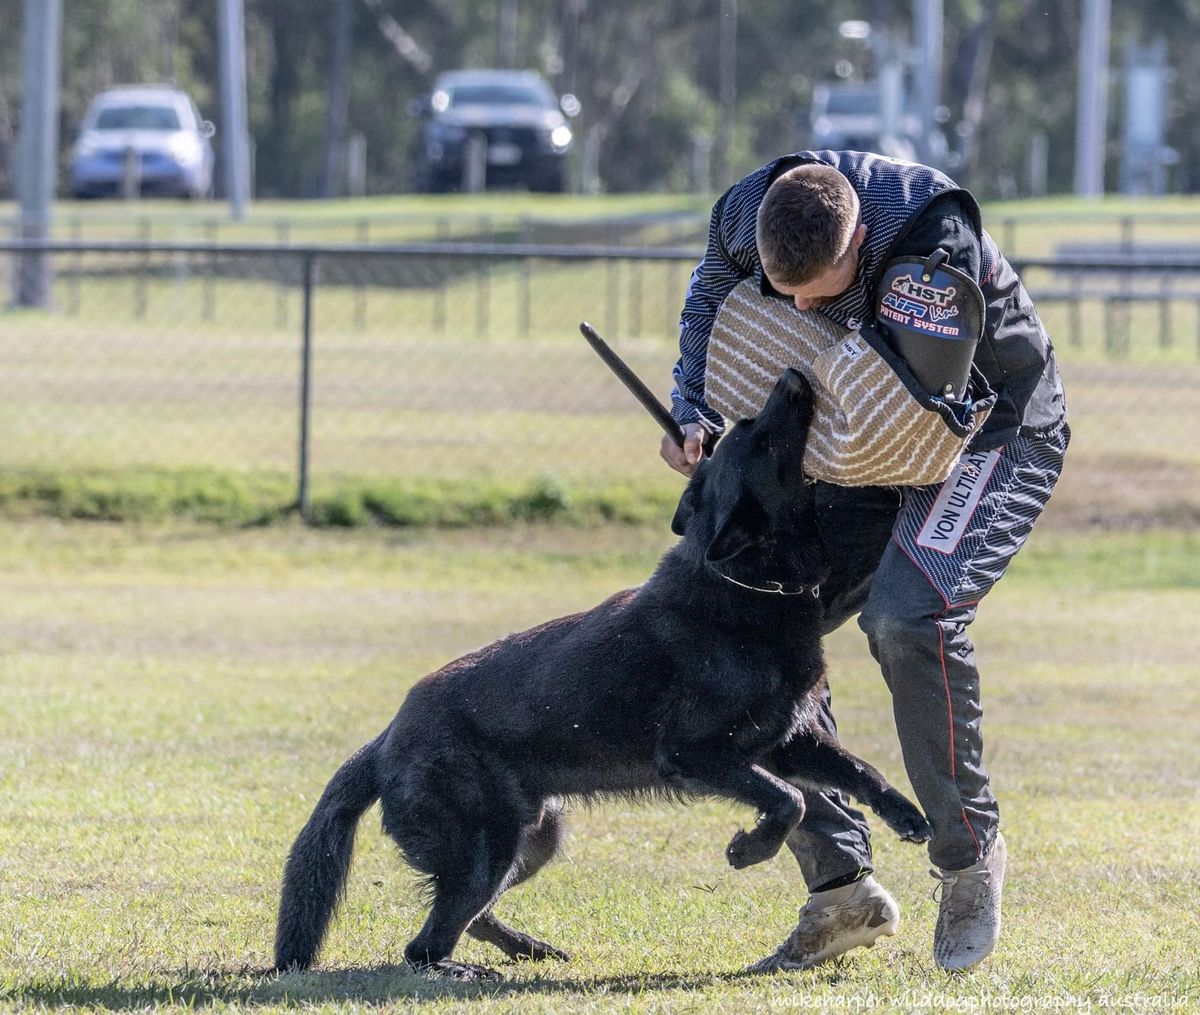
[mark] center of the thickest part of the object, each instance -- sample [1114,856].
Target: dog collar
[776,588]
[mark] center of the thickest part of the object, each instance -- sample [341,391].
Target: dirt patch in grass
[1125,493]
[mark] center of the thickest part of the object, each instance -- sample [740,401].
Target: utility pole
[37,147]
[1091,117]
[726,90]
[337,98]
[236,135]
[1144,152]
[569,44]
[927,28]
[507,36]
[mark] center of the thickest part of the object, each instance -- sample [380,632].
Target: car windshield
[137,118]
[497,95]
[851,102]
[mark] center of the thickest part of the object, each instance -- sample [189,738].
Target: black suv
[493,128]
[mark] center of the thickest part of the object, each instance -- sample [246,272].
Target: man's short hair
[805,223]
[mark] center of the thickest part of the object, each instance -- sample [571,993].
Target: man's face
[830,284]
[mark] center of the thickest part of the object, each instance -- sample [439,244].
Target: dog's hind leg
[815,759]
[539,844]
[466,879]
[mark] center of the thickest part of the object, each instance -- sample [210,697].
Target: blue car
[156,131]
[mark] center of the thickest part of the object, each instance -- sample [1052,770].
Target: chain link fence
[341,376]
[1028,233]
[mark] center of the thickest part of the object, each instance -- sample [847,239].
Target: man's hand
[685,459]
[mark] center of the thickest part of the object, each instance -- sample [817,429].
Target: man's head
[809,235]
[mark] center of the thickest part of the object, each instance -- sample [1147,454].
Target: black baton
[634,383]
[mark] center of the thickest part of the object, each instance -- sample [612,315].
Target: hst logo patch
[903,305]
[908,286]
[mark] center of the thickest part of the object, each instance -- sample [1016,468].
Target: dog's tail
[314,878]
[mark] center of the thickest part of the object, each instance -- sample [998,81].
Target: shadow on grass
[391,983]
[379,985]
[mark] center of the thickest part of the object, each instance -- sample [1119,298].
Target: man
[821,231]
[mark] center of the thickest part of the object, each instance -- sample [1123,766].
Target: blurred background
[675,96]
[333,255]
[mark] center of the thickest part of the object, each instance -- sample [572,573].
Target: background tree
[646,75]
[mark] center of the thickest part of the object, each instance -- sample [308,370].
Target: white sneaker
[832,923]
[968,922]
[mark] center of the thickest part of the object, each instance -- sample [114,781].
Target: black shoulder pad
[933,313]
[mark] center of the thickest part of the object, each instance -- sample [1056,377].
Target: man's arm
[946,223]
[920,332]
[714,278]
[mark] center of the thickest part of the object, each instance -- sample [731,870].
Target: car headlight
[560,137]
[184,149]
[87,146]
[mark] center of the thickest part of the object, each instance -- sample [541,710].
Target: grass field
[173,700]
[175,694]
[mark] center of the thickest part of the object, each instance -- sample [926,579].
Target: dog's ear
[688,505]
[747,524]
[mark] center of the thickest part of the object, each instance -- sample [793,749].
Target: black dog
[699,682]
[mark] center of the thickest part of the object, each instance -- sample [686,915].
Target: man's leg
[833,842]
[952,543]
[847,908]
[928,662]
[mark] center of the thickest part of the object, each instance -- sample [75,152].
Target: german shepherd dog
[703,681]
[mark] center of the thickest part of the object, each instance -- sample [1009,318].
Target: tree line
[648,77]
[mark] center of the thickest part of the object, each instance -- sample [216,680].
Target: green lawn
[174,699]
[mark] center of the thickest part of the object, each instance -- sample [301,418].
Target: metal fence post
[139,288]
[439,289]
[674,295]
[613,297]
[76,269]
[1165,337]
[283,239]
[482,297]
[362,236]
[524,301]
[635,311]
[210,276]
[303,501]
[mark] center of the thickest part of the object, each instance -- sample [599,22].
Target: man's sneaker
[969,918]
[833,922]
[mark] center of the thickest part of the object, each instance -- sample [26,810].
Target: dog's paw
[748,848]
[903,818]
[468,972]
[538,951]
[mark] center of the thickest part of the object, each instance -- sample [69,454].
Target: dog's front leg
[815,759]
[699,769]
